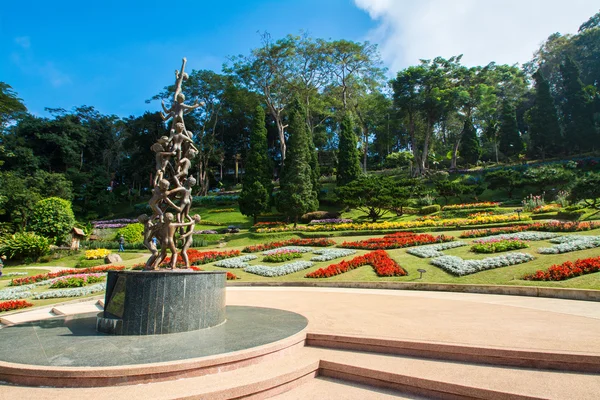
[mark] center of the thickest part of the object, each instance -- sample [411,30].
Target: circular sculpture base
[162,302]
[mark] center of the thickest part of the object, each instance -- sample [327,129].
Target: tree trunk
[453,163]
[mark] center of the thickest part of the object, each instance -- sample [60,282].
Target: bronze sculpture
[174,155]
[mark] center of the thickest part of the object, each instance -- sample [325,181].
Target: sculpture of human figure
[160,194]
[186,199]
[162,157]
[187,240]
[150,231]
[178,109]
[166,236]
[183,166]
[178,137]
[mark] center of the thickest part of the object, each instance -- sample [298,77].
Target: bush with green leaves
[430,209]
[133,233]
[52,218]
[398,159]
[24,245]
[587,190]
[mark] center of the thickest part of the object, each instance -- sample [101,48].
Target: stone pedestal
[161,302]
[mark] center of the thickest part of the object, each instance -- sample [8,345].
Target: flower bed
[320,242]
[330,221]
[96,254]
[498,245]
[43,277]
[113,223]
[294,249]
[237,262]
[15,293]
[76,292]
[526,236]
[197,257]
[14,305]
[552,226]
[567,244]
[76,281]
[281,256]
[546,208]
[459,267]
[469,206]
[493,231]
[452,222]
[379,260]
[566,270]
[434,250]
[222,210]
[205,232]
[269,224]
[231,276]
[14,274]
[331,254]
[282,270]
[396,241]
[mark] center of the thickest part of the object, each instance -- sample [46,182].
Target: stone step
[452,379]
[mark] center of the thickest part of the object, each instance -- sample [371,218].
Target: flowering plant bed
[77,281]
[330,221]
[469,206]
[231,276]
[282,256]
[197,257]
[397,241]
[493,231]
[294,249]
[498,245]
[75,292]
[331,254]
[113,223]
[319,242]
[527,236]
[375,226]
[282,270]
[14,274]
[566,270]
[459,267]
[14,305]
[434,250]
[546,208]
[237,262]
[552,226]
[222,210]
[50,275]
[96,254]
[379,260]
[567,244]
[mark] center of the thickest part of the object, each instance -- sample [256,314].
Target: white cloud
[504,31]
[26,61]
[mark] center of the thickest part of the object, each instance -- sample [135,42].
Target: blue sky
[114,55]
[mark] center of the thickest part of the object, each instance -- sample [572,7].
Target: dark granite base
[74,341]
[162,302]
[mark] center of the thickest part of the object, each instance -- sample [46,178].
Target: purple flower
[330,221]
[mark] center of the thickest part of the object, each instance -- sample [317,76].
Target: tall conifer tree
[544,126]
[470,149]
[297,195]
[348,156]
[257,183]
[511,143]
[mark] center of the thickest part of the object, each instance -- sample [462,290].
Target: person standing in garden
[121,244]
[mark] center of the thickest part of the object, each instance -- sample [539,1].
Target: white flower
[566,244]
[236,262]
[331,254]
[527,236]
[293,249]
[434,250]
[75,292]
[458,266]
[285,269]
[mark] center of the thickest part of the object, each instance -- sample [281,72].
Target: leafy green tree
[375,195]
[544,126]
[587,189]
[10,105]
[577,108]
[470,149]
[297,196]
[511,143]
[52,218]
[505,179]
[132,233]
[257,183]
[348,157]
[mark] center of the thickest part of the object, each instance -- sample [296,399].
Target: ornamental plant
[23,245]
[133,233]
[567,244]
[396,241]
[75,292]
[459,267]
[331,254]
[52,218]
[237,262]
[76,281]
[319,242]
[282,270]
[498,245]
[14,305]
[282,256]
[43,277]
[434,250]
[469,206]
[546,208]
[567,270]
[379,260]
[96,254]
[197,257]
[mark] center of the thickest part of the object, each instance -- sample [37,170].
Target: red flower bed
[494,231]
[396,241]
[231,276]
[197,257]
[14,305]
[554,226]
[566,270]
[320,242]
[42,277]
[379,260]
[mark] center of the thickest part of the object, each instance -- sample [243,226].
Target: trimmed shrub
[52,218]
[430,209]
[24,245]
[306,218]
[133,233]
[89,263]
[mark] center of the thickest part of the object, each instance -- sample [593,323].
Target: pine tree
[544,126]
[348,158]
[470,148]
[296,195]
[577,108]
[257,183]
[510,140]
